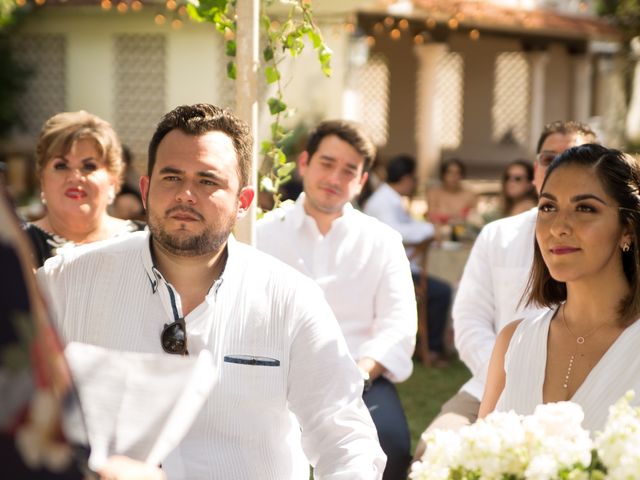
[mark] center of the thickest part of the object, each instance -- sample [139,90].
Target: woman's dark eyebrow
[575,198]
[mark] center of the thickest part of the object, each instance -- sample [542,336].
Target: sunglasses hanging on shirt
[174,335]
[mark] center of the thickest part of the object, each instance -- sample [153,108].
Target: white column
[247,58]
[538,63]
[633,116]
[582,72]
[427,131]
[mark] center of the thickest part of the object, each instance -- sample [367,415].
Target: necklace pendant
[580,340]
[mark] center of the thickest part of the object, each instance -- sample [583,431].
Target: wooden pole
[247,51]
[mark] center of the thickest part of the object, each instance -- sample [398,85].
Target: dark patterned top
[46,244]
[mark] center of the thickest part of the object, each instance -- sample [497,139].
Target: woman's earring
[625,247]
[42,199]
[111,197]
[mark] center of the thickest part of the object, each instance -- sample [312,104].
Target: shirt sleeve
[325,394]
[53,287]
[395,316]
[474,309]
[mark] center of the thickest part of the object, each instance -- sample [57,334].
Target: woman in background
[450,202]
[79,160]
[518,192]
[585,270]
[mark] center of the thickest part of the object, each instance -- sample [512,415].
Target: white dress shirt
[386,205]
[362,268]
[110,294]
[489,293]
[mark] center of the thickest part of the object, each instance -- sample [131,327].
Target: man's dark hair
[350,132]
[619,175]
[566,128]
[203,118]
[400,166]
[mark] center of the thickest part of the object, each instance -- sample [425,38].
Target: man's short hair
[203,118]
[350,132]
[400,166]
[566,128]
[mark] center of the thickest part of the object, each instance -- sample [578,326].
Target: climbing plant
[282,37]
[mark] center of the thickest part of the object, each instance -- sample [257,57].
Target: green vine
[280,39]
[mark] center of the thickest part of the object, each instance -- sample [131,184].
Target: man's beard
[210,240]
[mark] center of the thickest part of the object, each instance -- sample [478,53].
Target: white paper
[138,404]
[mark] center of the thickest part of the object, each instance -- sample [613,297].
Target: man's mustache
[184,209]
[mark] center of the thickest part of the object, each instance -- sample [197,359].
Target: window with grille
[510,109]
[140,72]
[45,95]
[373,97]
[449,99]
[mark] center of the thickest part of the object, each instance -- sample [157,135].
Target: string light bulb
[171,4]
[474,34]
[395,34]
[453,23]
[403,24]
[160,19]
[378,28]
[21,3]
[182,10]
[418,39]
[106,4]
[176,23]
[388,21]
[431,23]
[371,41]
[136,5]
[122,7]
[40,2]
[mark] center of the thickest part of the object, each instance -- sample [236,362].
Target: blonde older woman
[79,160]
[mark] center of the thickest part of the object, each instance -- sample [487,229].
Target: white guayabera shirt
[361,266]
[110,294]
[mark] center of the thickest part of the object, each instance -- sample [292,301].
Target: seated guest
[583,347]
[79,160]
[518,191]
[450,202]
[386,205]
[361,266]
[287,392]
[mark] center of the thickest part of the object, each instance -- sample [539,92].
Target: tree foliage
[281,38]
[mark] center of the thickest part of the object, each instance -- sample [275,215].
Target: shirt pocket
[254,381]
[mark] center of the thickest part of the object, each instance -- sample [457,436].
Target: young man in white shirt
[495,279]
[361,267]
[187,285]
[386,205]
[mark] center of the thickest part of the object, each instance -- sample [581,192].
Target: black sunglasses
[174,337]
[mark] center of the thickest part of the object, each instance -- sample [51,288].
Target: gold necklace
[579,340]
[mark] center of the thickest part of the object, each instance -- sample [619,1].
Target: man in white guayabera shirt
[494,281]
[361,266]
[286,382]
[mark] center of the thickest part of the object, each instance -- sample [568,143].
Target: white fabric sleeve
[474,310]
[395,316]
[412,231]
[325,394]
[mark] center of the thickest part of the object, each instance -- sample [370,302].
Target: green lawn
[426,390]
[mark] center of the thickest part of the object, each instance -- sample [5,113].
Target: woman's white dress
[617,372]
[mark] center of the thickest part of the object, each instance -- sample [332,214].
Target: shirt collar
[299,215]
[154,275]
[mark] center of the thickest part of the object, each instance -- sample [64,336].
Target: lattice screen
[45,95]
[140,84]
[373,93]
[449,94]
[510,110]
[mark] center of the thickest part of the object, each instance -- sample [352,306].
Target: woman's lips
[75,193]
[563,250]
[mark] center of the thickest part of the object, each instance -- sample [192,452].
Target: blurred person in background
[79,161]
[128,202]
[450,202]
[518,191]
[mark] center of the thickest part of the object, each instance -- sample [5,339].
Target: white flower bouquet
[548,445]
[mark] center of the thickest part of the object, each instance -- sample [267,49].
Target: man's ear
[245,197]
[144,189]
[303,162]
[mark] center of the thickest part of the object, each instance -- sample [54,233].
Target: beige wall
[193,56]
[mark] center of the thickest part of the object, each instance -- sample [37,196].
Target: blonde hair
[61,131]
